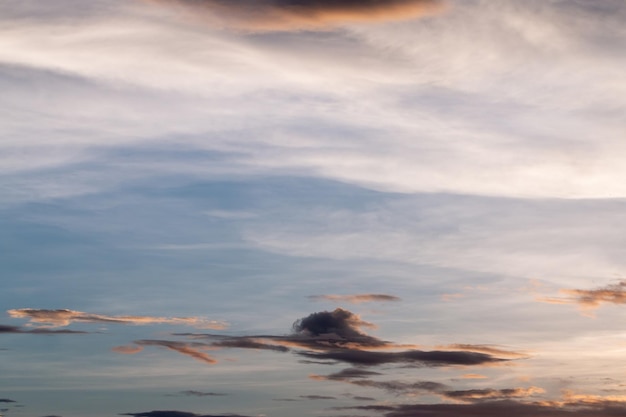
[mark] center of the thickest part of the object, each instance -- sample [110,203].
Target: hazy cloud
[491,394]
[191,349]
[591,299]
[288,15]
[16,329]
[64,317]
[355,298]
[194,393]
[6,400]
[318,397]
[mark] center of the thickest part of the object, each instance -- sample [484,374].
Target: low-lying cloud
[64,317]
[591,299]
[355,298]
[292,15]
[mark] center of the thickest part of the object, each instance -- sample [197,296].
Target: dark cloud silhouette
[351,376]
[414,357]
[6,400]
[327,337]
[509,408]
[349,373]
[355,298]
[168,413]
[289,15]
[16,329]
[317,397]
[194,393]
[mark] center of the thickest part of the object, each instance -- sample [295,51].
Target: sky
[324,208]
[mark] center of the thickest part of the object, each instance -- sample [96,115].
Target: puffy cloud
[64,317]
[355,298]
[289,15]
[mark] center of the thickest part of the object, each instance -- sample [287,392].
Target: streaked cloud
[289,15]
[64,317]
[169,413]
[590,299]
[490,394]
[16,329]
[191,349]
[355,298]
[193,393]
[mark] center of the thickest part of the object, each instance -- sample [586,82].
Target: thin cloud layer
[191,349]
[290,15]
[64,317]
[169,413]
[355,298]
[16,329]
[509,408]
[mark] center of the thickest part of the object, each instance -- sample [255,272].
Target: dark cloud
[415,357]
[168,413]
[395,387]
[509,408]
[193,393]
[355,298]
[318,397]
[349,373]
[281,15]
[6,400]
[328,337]
[16,329]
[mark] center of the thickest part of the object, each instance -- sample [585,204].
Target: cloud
[484,349]
[64,317]
[6,400]
[191,349]
[318,397]
[16,329]
[329,337]
[354,377]
[193,393]
[489,393]
[591,299]
[510,408]
[291,15]
[159,413]
[355,298]
[415,357]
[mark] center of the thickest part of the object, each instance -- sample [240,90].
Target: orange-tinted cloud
[491,350]
[591,299]
[492,394]
[355,298]
[193,349]
[64,317]
[291,15]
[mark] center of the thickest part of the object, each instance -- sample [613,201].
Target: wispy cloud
[169,413]
[64,317]
[191,349]
[355,298]
[273,15]
[16,329]
[590,299]
[193,393]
